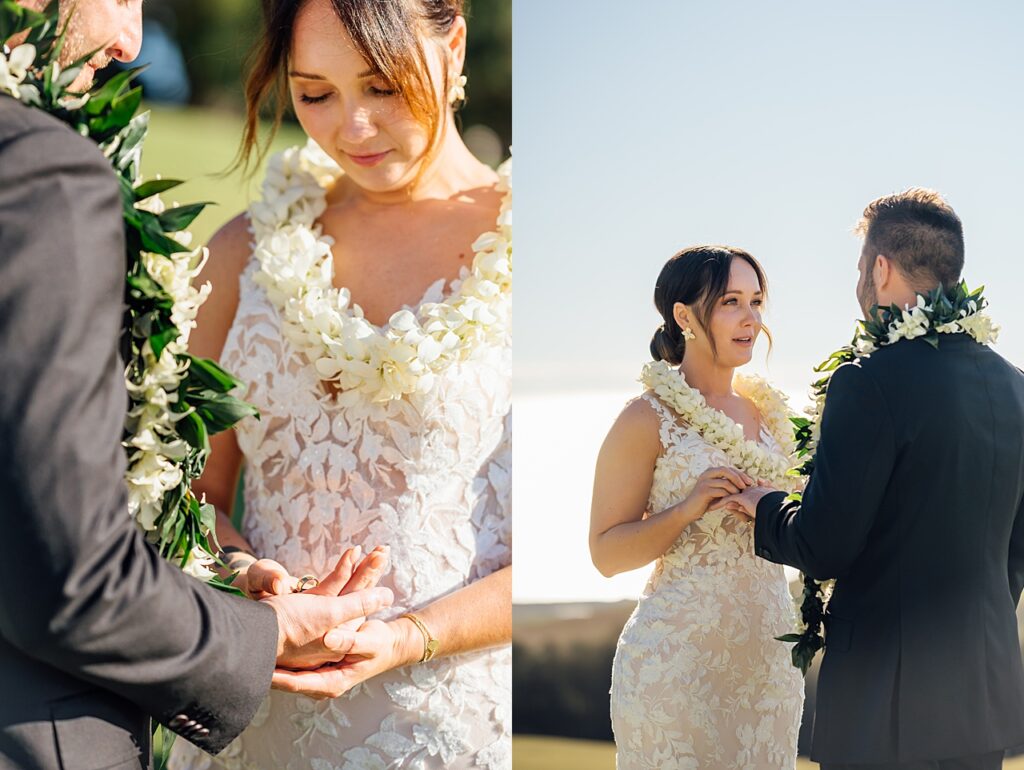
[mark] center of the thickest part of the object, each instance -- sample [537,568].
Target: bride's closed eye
[377,91]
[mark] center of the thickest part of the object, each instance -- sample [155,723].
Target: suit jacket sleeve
[80,589]
[854,460]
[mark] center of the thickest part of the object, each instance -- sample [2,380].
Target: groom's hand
[351,575]
[349,592]
[744,503]
[376,648]
[303,619]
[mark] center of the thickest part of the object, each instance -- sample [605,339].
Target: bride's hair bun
[698,277]
[665,348]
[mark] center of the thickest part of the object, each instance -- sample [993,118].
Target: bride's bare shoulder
[229,249]
[637,427]
[232,243]
[642,409]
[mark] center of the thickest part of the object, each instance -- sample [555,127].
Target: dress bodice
[699,679]
[427,474]
[719,537]
[424,470]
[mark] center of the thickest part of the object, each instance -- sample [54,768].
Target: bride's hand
[348,576]
[713,486]
[745,503]
[377,647]
[267,577]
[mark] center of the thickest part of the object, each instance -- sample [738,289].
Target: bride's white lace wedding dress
[428,474]
[699,680]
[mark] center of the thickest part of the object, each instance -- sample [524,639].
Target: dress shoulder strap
[671,428]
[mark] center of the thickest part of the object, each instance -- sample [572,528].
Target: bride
[366,301]
[698,679]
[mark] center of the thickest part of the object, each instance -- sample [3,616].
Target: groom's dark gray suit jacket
[915,505]
[97,632]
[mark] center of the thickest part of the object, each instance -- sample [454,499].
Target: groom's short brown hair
[920,233]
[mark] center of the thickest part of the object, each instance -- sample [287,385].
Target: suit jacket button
[178,722]
[202,732]
[766,553]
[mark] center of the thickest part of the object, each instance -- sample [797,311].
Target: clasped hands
[730,489]
[326,645]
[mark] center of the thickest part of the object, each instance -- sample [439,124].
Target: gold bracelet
[430,644]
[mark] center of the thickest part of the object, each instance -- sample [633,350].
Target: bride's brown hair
[385,32]
[698,277]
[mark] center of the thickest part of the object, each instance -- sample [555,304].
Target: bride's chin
[377,180]
[739,361]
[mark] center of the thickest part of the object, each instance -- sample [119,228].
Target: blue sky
[644,127]
[641,128]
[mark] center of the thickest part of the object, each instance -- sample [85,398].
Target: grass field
[197,146]
[532,752]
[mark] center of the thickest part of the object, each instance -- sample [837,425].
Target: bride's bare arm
[621,538]
[624,535]
[472,618]
[229,251]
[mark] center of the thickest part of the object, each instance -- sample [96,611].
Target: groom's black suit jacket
[915,505]
[97,632]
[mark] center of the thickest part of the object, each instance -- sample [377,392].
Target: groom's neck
[901,297]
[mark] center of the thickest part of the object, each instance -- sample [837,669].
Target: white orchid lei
[14,69]
[403,357]
[957,311]
[724,433]
[176,401]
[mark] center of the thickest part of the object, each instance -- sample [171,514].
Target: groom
[915,506]
[97,632]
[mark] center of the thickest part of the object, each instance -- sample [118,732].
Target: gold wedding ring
[306,582]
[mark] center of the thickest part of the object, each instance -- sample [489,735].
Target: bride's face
[352,112]
[736,320]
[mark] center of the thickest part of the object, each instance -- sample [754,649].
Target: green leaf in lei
[108,116]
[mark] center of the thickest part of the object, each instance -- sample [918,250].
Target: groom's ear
[881,271]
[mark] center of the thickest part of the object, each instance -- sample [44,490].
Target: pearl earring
[457,92]
[688,334]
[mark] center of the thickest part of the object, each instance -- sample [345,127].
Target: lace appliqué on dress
[699,680]
[430,476]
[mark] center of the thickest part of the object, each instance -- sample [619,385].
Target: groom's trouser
[992,761]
